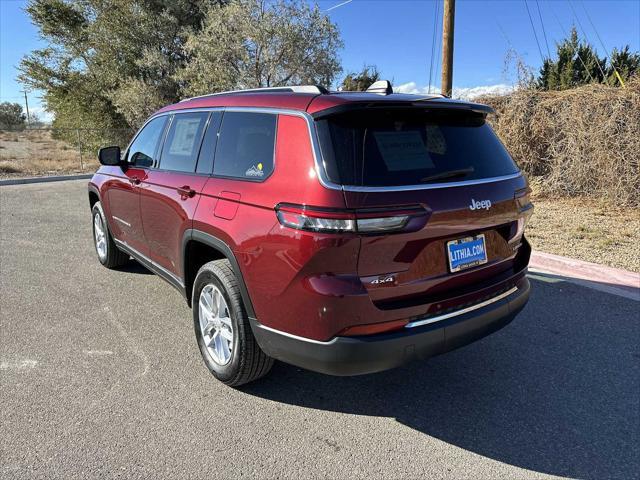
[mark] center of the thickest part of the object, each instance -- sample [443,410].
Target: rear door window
[143,149]
[246,146]
[409,147]
[181,147]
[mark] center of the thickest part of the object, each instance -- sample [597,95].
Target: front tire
[222,328]
[108,253]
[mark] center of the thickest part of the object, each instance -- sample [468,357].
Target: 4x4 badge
[381,280]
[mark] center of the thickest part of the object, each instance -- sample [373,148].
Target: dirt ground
[587,229]
[35,153]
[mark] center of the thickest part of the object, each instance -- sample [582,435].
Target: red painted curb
[584,270]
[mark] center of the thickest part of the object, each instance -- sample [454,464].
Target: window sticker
[403,150]
[255,171]
[184,136]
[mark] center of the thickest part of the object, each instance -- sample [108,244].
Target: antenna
[382,87]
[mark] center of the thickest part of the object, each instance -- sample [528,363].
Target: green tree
[359,82]
[100,53]
[251,43]
[625,63]
[11,116]
[577,63]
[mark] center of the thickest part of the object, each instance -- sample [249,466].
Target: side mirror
[109,156]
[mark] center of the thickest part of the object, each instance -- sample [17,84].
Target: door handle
[186,191]
[134,180]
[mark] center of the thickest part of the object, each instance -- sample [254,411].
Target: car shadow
[555,392]
[133,266]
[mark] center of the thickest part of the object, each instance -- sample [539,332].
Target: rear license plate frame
[458,265]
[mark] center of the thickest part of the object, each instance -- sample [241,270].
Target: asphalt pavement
[100,376]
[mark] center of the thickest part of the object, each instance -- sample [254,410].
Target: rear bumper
[374,353]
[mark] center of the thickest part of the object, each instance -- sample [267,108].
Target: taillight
[525,208]
[365,221]
[302,218]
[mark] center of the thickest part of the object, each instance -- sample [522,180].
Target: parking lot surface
[101,377]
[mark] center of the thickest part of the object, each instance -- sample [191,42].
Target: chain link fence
[44,151]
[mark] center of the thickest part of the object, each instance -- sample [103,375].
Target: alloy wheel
[215,324]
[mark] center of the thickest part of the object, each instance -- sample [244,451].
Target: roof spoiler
[435,103]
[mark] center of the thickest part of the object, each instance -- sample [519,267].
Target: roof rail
[317,89]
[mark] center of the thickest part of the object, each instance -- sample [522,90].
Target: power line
[566,36]
[534,30]
[606,51]
[433,40]
[604,76]
[543,30]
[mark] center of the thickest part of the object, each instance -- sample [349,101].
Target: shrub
[583,141]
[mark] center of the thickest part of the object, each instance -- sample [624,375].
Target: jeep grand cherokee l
[341,232]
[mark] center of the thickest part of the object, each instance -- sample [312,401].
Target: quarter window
[246,146]
[180,150]
[143,149]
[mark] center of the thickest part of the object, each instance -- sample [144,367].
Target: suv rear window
[408,147]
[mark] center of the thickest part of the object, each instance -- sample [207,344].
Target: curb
[588,273]
[57,178]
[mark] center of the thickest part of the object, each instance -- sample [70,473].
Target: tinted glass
[402,147]
[208,149]
[181,147]
[246,144]
[143,148]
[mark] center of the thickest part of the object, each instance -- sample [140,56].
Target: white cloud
[42,114]
[465,93]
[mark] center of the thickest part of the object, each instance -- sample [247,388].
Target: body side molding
[162,272]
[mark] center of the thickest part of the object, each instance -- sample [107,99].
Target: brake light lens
[525,207]
[302,218]
[339,221]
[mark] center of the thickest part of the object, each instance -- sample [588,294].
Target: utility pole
[447,46]
[26,102]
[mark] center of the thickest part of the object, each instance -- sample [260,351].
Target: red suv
[342,232]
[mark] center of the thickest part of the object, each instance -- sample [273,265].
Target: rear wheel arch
[199,248]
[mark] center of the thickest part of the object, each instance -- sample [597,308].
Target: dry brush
[579,142]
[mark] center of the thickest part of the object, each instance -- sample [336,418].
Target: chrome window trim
[439,318]
[432,186]
[320,167]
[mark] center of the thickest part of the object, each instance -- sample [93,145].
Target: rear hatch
[464,197]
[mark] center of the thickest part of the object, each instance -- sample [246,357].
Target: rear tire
[108,253]
[222,327]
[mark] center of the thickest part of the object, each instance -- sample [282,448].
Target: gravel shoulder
[586,229]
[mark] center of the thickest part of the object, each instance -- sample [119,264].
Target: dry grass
[35,152]
[587,229]
[575,143]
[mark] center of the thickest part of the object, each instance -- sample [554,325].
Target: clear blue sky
[396,36]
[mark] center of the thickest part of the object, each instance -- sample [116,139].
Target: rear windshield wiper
[462,172]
